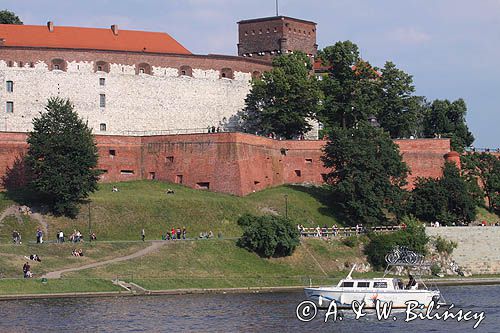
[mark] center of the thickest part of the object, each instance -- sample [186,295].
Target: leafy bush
[413,237]
[435,269]
[268,236]
[352,241]
[445,246]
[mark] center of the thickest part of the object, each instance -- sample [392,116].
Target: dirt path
[15,210]
[153,247]
[12,210]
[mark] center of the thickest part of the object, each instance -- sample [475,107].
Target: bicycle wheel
[392,258]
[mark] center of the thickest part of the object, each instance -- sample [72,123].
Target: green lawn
[35,286]
[145,204]
[220,263]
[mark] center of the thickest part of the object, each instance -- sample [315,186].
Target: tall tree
[367,175]
[62,157]
[484,168]
[350,88]
[8,17]
[401,112]
[447,119]
[447,200]
[284,100]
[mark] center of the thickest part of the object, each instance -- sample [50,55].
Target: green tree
[268,236]
[448,200]
[8,17]
[447,119]
[485,169]
[401,112]
[413,237]
[62,157]
[351,89]
[367,175]
[284,100]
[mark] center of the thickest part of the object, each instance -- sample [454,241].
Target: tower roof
[89,38]
[275,18]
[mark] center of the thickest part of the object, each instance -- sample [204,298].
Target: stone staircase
[478,248]
[131,287]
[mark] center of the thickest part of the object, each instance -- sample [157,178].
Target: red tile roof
[89,38]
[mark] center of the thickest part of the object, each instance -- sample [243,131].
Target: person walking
[143,234]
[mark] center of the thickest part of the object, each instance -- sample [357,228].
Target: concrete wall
[161,101]
[478,248]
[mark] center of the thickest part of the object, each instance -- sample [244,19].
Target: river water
[259,312]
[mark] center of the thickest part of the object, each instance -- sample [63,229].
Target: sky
[451,47]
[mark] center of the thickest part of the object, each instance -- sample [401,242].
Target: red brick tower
[264,38]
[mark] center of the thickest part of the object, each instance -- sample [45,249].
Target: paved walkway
[153,247]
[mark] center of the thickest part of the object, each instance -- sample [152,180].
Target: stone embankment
[478,249]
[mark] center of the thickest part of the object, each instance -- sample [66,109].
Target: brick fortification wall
[234,163]
[483,259]
[174,92]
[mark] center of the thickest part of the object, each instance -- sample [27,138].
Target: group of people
[76,236]
[175,233]
[209,234]
[77,253]
[213,129]
[325,231]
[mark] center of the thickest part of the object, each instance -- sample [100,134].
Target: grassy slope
[220,263]
[120,217]
[144,204]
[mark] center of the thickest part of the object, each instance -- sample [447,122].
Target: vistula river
[260,312]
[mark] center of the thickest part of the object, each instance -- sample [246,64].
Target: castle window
[268,30]
[227,73]
[169,159]
[101,66]
[275,29]
[10,86]
[58,65]
[112,152]
[9,107]
[185,71]
[20,64]
[246,33]
[102,127]
[309,160]
[298,173]
[144,68]
[102,81]
[32,64]
[10,63]
[102,100]
[203,186]
[127,172]
[260,31]
[179,179]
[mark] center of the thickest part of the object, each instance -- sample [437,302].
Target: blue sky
[451,47]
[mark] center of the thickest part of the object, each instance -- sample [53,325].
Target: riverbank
[248,290]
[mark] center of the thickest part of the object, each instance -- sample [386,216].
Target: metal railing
[345,231]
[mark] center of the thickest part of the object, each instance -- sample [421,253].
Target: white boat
[368,291]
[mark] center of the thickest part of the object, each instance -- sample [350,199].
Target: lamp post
[286,206]
[90,223]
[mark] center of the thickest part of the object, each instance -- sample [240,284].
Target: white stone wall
[161,101]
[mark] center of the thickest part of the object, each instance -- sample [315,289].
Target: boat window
[363,284]
[379,284]
[347,284]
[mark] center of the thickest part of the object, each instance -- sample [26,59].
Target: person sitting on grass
[80,253]
[35,257]
[75,253]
